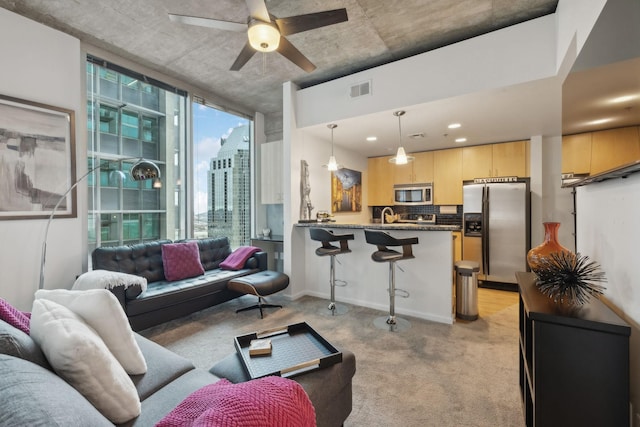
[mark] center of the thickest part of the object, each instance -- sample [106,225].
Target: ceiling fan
[266,32]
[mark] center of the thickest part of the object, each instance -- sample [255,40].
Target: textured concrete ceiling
[377,32]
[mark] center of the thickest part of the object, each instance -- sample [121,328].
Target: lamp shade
[144,169]
[263,36]
[332,165]
[401,157]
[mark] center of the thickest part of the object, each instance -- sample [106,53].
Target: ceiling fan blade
[258,10]
[290,52]
[245,55]
[210,23]
[300,23]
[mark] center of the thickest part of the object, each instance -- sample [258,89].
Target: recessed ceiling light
[454,125]
[625,98]
[372,138]
[599,121]
[461,139]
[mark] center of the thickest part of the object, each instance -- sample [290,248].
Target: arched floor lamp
[142,170]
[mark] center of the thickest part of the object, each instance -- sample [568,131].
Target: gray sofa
[32,394]
[164,300]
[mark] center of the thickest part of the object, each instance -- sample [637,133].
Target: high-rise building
[229,189]
[131,117]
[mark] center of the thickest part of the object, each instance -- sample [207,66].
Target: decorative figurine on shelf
[569,279]
[305,189]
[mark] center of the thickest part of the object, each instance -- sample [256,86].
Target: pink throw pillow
[181,260]
[269,401]
[14,317]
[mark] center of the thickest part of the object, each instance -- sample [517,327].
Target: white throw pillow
[100,309]
[78,355]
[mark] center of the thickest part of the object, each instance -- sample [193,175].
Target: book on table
[260,347]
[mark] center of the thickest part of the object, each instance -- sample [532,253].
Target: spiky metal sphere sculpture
[570,278]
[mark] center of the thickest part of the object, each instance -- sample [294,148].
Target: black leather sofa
[164,300]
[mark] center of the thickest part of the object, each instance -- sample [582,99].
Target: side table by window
[274,247]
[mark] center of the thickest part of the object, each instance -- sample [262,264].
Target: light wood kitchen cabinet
[491,160]
[477,161]
[447,177]
[576,153]
[614,147]
[418,171]
[380,181]
[271,182]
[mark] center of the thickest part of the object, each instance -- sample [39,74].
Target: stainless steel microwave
[413,194]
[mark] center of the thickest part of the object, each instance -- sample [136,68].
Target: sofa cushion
[165,294]
[13,316]
[35,396]
[163,366]
[181,261]
[268,401]
[16,343]
[78,355]
[142,259]
[100,309]
[213,251]
[160,403]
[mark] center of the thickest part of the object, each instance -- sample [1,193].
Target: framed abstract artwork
[346,191]
[37,160]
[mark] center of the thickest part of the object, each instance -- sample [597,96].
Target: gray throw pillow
[16,343]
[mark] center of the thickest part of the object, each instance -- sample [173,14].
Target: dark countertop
[377,226]
[274,238]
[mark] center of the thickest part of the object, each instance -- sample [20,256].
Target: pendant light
[332,165]
[401,157]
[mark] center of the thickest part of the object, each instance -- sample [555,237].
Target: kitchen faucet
[383,211]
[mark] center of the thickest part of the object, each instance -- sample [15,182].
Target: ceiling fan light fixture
[263,36]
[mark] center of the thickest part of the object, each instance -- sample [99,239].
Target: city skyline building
[229,188]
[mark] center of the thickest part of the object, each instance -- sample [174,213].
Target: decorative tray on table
[295,349]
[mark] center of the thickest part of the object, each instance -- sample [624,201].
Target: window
[128,119]
[222,174]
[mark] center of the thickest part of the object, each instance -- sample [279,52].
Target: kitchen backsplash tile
[443,219]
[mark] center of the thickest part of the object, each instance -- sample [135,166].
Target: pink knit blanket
[237,258]
[264,402]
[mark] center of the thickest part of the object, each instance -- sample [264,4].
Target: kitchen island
[428,278]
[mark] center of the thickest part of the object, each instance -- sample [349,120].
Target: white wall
[43,65]
[608,232]
[497,60]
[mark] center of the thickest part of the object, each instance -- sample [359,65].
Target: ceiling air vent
[360,89]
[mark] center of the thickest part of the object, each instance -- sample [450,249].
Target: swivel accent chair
[382,240]
[327,249]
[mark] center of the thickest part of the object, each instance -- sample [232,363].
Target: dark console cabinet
[574,367]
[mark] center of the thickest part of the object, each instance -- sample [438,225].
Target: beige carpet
[463,375]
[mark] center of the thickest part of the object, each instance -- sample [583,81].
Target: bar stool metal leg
[391,322]
[336,309]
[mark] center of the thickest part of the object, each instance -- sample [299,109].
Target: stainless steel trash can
[467,289]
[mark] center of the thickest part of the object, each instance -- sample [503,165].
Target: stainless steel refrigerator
[496,232]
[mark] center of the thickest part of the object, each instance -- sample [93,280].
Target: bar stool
[327,249]
[382,240]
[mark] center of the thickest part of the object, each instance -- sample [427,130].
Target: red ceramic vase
[549,246]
